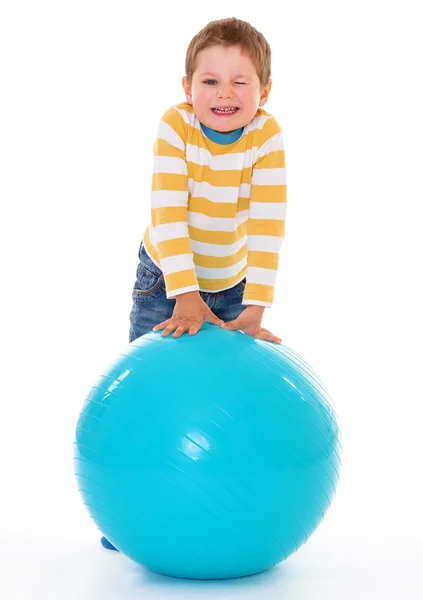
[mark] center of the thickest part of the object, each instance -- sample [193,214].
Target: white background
[83,86]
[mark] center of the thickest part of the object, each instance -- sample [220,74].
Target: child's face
[225,78]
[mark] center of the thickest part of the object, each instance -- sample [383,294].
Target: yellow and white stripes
[217,211]
[266,220]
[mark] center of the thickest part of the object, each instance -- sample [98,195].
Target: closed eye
[238,82]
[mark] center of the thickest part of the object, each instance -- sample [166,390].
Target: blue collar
[222,138]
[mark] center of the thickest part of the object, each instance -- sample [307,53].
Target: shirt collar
[222,138]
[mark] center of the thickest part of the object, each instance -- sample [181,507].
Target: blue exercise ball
[211,456]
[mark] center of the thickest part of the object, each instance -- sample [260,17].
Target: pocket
[149,285]
[240,288]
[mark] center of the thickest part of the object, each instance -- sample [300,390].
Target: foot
[105,542]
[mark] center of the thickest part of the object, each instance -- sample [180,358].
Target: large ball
[207,457]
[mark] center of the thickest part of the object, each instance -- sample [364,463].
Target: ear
[265,93]
[187,89]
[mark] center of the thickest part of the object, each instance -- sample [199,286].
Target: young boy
[211,250]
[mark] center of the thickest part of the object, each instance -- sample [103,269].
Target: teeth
[225,110]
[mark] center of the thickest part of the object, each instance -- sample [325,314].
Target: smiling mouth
[226,112]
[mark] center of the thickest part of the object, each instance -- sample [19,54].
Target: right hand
[189,314]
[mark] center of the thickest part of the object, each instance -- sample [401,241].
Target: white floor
[359,552]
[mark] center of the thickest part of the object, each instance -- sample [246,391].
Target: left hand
[249,321]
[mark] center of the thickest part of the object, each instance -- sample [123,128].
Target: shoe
[105,542]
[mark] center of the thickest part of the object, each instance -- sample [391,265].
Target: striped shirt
[217,209]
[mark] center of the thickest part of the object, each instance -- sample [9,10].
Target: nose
[225,91]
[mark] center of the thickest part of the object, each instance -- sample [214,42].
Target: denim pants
[150,306]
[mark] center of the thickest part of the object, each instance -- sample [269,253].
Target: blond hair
[231,32]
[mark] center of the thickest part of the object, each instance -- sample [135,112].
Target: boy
[211,250]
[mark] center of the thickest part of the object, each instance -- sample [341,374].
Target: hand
[249,321]
[189,314]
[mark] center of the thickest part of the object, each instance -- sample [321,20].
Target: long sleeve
[169,206]
[266,217]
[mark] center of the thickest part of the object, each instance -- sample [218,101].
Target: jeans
[150,306]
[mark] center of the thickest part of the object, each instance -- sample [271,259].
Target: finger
[171,327]
[161,325]
[194,329]
[273,338]
[230,325]
[215,320]
[179,331]
[264,334]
